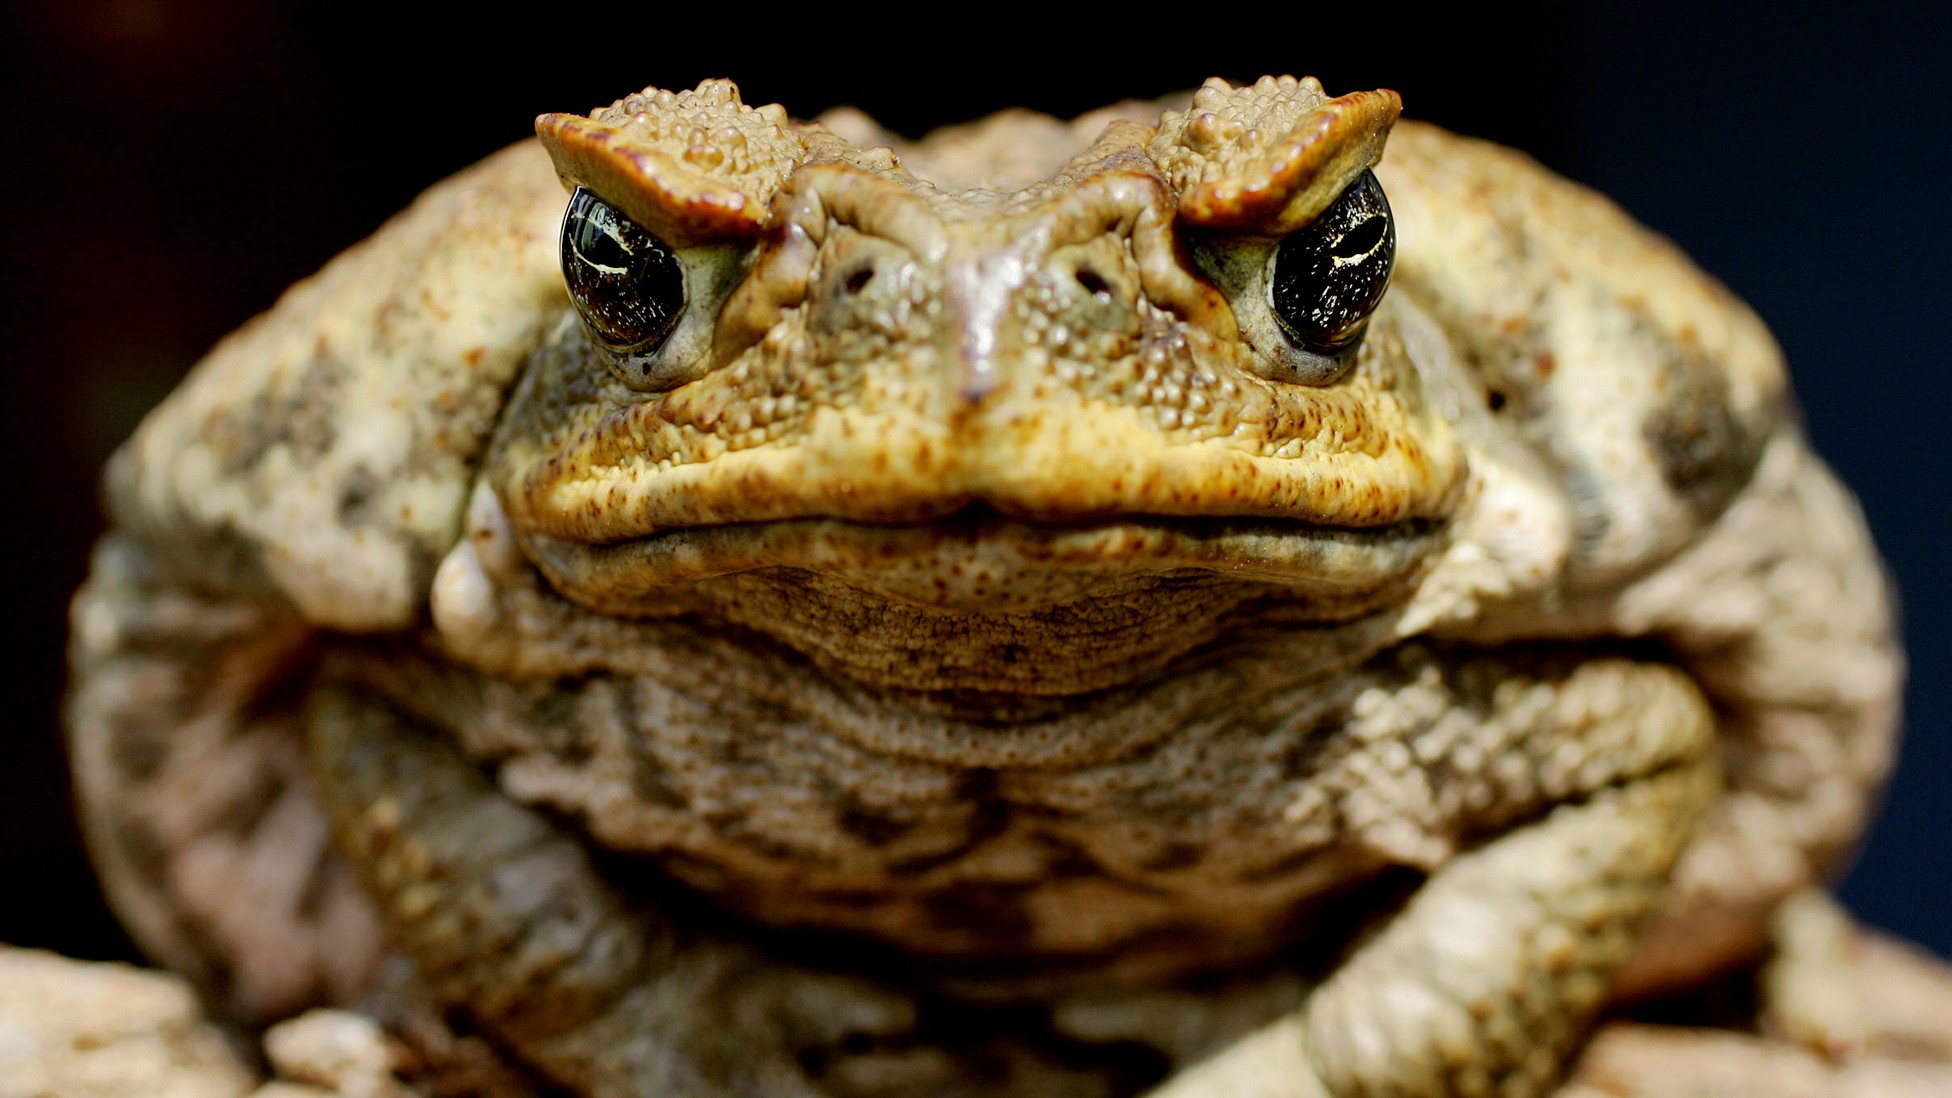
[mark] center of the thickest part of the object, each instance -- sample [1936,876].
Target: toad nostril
[857,279]
[1092,282]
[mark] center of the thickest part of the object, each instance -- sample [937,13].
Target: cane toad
[709,604]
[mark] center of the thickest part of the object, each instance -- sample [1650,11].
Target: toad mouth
[977,555]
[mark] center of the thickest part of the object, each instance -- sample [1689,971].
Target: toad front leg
[507,921]
[1485,981]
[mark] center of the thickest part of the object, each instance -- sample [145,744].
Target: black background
[169,167]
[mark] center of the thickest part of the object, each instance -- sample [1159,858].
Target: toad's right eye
[625,282]
[1329,275]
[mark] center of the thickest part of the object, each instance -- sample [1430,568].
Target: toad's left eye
[1329,275]
[625,281]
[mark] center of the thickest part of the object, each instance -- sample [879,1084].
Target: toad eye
[1328,276]
[625,282]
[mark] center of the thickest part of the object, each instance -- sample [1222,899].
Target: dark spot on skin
[243,813]
[557,716]
[995,911]
[976,785]
[356,497]
[1175,856]
[1591,517]
[144,850]
[312,895]
[648,779]
[1704,455]
[302,416]
[627,714]
[138,749]
[920,864]
[1066,859]
[286,684]
[695,872]
[553,710]
[1327,927]
[988,818]
[756,837]
[215,976]
[873,828]
[220,549]
[1495,399]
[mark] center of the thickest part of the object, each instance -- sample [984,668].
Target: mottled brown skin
[969,656]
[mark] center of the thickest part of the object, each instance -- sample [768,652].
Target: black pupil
[625,282]
[1330,274]
[1361,240]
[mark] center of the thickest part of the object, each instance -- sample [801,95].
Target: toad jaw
[1036,380]
[1035,442]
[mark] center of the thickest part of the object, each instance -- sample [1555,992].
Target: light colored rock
[73,1029]
[78,1030]
[341,1052]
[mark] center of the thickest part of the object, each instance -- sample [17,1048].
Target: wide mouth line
[977,541]
[980,518]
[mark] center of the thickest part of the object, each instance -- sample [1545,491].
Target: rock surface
[73,1029]
[76,1029]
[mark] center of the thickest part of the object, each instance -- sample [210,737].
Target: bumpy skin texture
[968,655]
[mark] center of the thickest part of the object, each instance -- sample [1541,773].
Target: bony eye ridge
[1328,276]
[625,282]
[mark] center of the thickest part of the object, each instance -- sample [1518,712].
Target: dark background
[169,167]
